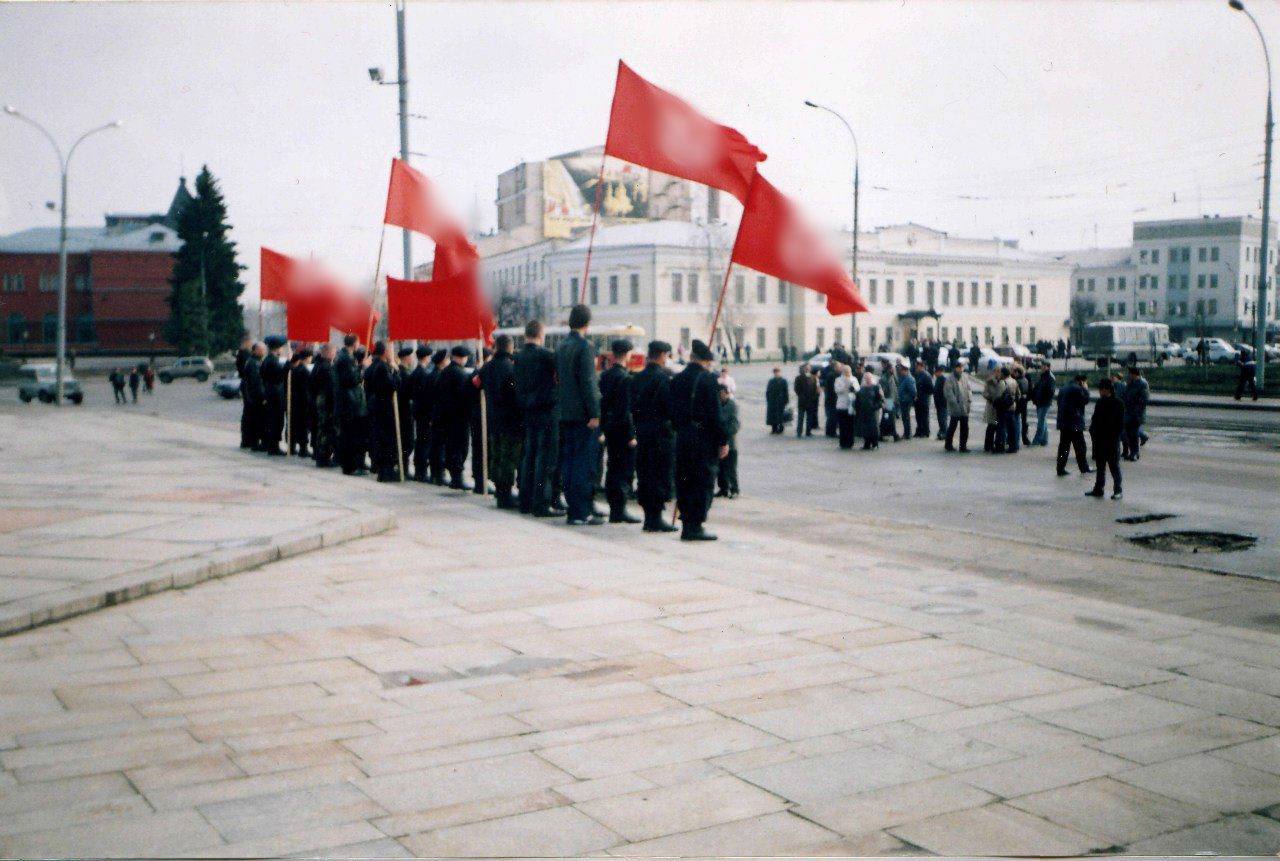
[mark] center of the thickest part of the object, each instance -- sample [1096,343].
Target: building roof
[1097,258]
[82,240]
[676,234]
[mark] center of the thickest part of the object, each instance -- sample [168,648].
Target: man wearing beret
[579,418]
[381,386]
[417,387]
[274,375]
[348,408]
[299,402]
[324,394]
[655,449]
[453,396]
[253,422]
[701,441]
[619,432]
[408,363]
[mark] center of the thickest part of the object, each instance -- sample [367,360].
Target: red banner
[448,309]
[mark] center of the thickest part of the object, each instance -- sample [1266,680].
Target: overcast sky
[1046,122]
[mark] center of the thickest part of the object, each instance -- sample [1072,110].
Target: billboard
[569,192]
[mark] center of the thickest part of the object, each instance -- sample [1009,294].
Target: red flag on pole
[275,271]
[653,128]
[774,238]
[454,255]
[448,309]
[352,314]
[413,202]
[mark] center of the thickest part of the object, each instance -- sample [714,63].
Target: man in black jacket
[419,389]
[655,439]
[1071,403]
[407,363]
[924,393]
[618,428]
[1105,430]
[440,359]
[349,408]
[701,441]
[579,419]
[498,379]
[274,376]
[453,397]
[381,383]
[1042,395]
[299,403]
[537,393]
[252,427]
[243,356]
[324,394]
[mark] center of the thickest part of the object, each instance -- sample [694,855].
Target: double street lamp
[1260,311]
[64,164]
[853,318]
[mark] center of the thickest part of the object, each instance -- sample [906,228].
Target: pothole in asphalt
[1144,518]
[946,609]
[1193,541]
[957,591]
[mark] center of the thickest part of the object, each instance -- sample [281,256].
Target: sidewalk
[477,683]
[101,510]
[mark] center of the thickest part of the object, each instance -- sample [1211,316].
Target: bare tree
[738,312]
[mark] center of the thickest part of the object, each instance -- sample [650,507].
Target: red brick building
[117,285]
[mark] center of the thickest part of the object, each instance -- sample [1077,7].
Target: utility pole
[403,83]
[853,266]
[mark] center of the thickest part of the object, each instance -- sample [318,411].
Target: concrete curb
[1227,404]
[182,573]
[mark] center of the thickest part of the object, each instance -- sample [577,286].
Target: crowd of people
[552,426]
[880,402]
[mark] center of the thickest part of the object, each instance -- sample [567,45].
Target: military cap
[702,351]
[438,356]
[423,351]
[274,342]
[404,352]
[461,351]
[620,346]
[657,348]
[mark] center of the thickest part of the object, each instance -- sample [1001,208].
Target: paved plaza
[476,683]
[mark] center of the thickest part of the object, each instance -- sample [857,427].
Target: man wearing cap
[619,432]
[408,363]
[381,385]
[538,394]
[324,395]
[440,360]
[349,408]
[1071,403]
[417,386]
[655,439]
[274,375]
[252,423]
[453,409]
[243,356]
[579,418]
[498,380]
[701,441]
[299,403]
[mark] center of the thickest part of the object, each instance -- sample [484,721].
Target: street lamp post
[853,267]
[1260,312]
[402,82]
[64,165]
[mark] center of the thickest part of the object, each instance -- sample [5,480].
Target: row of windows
[15,283]
[1202,307]
[18,331]
[761,341]
[932,294]
[1152,282]
[1204,254]
[521,274]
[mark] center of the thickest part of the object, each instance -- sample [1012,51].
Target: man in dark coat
[407,363]
[381,385]
[243,356]
[253,420]
[441,360]
[349,408]
[299,403]
[727,473]
[1248,365]
[453,396]
[924,391]
[940,400]
[479,469]
[506,432]
[827,382]
[617,426]
[1071,403]
[537,394]
[274,377]
[806,387]
[1136,395]
[776,397]
[655,438]
[324,395]
[1104,431]
[701,441]
[419,388]
[579,419]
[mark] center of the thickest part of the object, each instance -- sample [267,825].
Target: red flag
[653,128]
[275,271]
[414,204]
[774,238]
[454,255]
[352,314]
[448,309]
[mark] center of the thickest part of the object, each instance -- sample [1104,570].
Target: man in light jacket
[956,390]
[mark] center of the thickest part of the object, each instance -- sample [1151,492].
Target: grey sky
[1061,115]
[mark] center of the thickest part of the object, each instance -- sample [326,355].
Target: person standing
[274,376]
[1023,397]
[959,401]
[617,429]
[827,381]
[806,388]
[1104,430]
[1007,437]
[506,432]
[701,440]
[243,355]
[436,420]
[1248,370]
[349,405]
[924,391]
[1071,403]
[149,380]
[868,404]
[1136,395]
[1046,389]
[906,398]
[846,392]
[579,419]
[727,474]
[1117,392]
[991,390]
[940,400]
[381,386]
[254,420]
[324,396]
[453,397]
[479,468]
[888,383]
[537,393]
[419,387]
[776,397]
[135,380]
[117,389]
[406,364]
[298,403]
[655,442]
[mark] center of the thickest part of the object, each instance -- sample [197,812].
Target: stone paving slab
[126,506]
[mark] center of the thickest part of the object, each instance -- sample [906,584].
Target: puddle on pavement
[946,609]
[1193,541]
[514,667]
[1144,518]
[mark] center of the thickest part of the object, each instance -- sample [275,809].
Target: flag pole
[595,216]
[724,288]
[288,412]
[259,317]
[373,296]
[395,412]
[484,424]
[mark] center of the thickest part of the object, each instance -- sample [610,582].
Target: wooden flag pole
[484,425]
[288,411]
[373,296]
[595,216]
[259,318]
[395,411]
[724,288]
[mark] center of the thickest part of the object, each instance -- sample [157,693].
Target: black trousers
[727,472]
[620,471]
[905,412]
[383,451]
[655,464]
[922,419]
[250,422]
[478,466]
[421,448]
[845,421]
[1107,457]
[695,477]
[457,438]
[1068,440]
[833,421]
[942,420]
[1022,421]
[538,461]
[961,422]
[1247,382]
[436,452]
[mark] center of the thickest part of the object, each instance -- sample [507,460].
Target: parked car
[818,362]
[1218,350]
[41,381]
[1020,354]
[189,366]
[228,386]
[894,359]
[1171,350]
[990,359]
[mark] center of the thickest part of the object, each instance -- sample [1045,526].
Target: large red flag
[655,129]
[309,295]
[454,255]
[775,238]
[448,309]
[414,204]
[352,314]
[275,272]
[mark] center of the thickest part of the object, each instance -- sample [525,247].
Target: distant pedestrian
[135,379]
[117,385]
[747,348]
[956,391]
[727,381]
[906,398]
[149,380]
[1042,395]
[1136,395]
[806,389]
[776,396]
[1071,403]
[846,393]
[991,389]
[1248,372]
[889,392]
[868,405]
[940,399]
[1104,430]
[1023,395]
[727,476]
[924,390]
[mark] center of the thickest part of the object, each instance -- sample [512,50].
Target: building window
[1155,255]
[960,292]
[13,283]
[1142,256]
[888,291]
[761,296]
[693,287]
[946,294]
[944,333]
[986,334]
[49,328]
[48,283]
[973,293]
[1004,334]
[573,291]
[1155,282]
[1079,285]
[1111,284]
[928,293]
[1154,309]
[684,336]
[782,337]
[782,292]
[987,293]
[1200,281]
[871,295]
[1111,309]
[871,335]
[760,337]
[973,334]
[1031,335]
[1017,335]
[16,328]
[1204,254]
[1033,297]
[677,287]
[911,292]
[740,289]
[593,291]
[1121,309]
[1213,254]
[635,289]
[1142,282]
[836,336]
[84,329]
[1004,295]
[1122,283]
[1213,307]
[1018,294]
[1213,282]
[1142,308]
[1200,307]
[1186,255]
[1092,285]
[613,289]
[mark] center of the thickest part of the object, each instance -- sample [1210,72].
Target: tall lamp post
[402,81]
[853,318]
[64,164]
[1260,312]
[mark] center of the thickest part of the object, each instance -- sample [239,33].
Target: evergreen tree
[203,229]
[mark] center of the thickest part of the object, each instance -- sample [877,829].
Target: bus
[1129,341]
[600,337]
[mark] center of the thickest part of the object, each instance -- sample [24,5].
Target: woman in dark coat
[868,403]
[776,396]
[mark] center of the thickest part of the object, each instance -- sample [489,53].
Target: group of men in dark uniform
[544,419]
